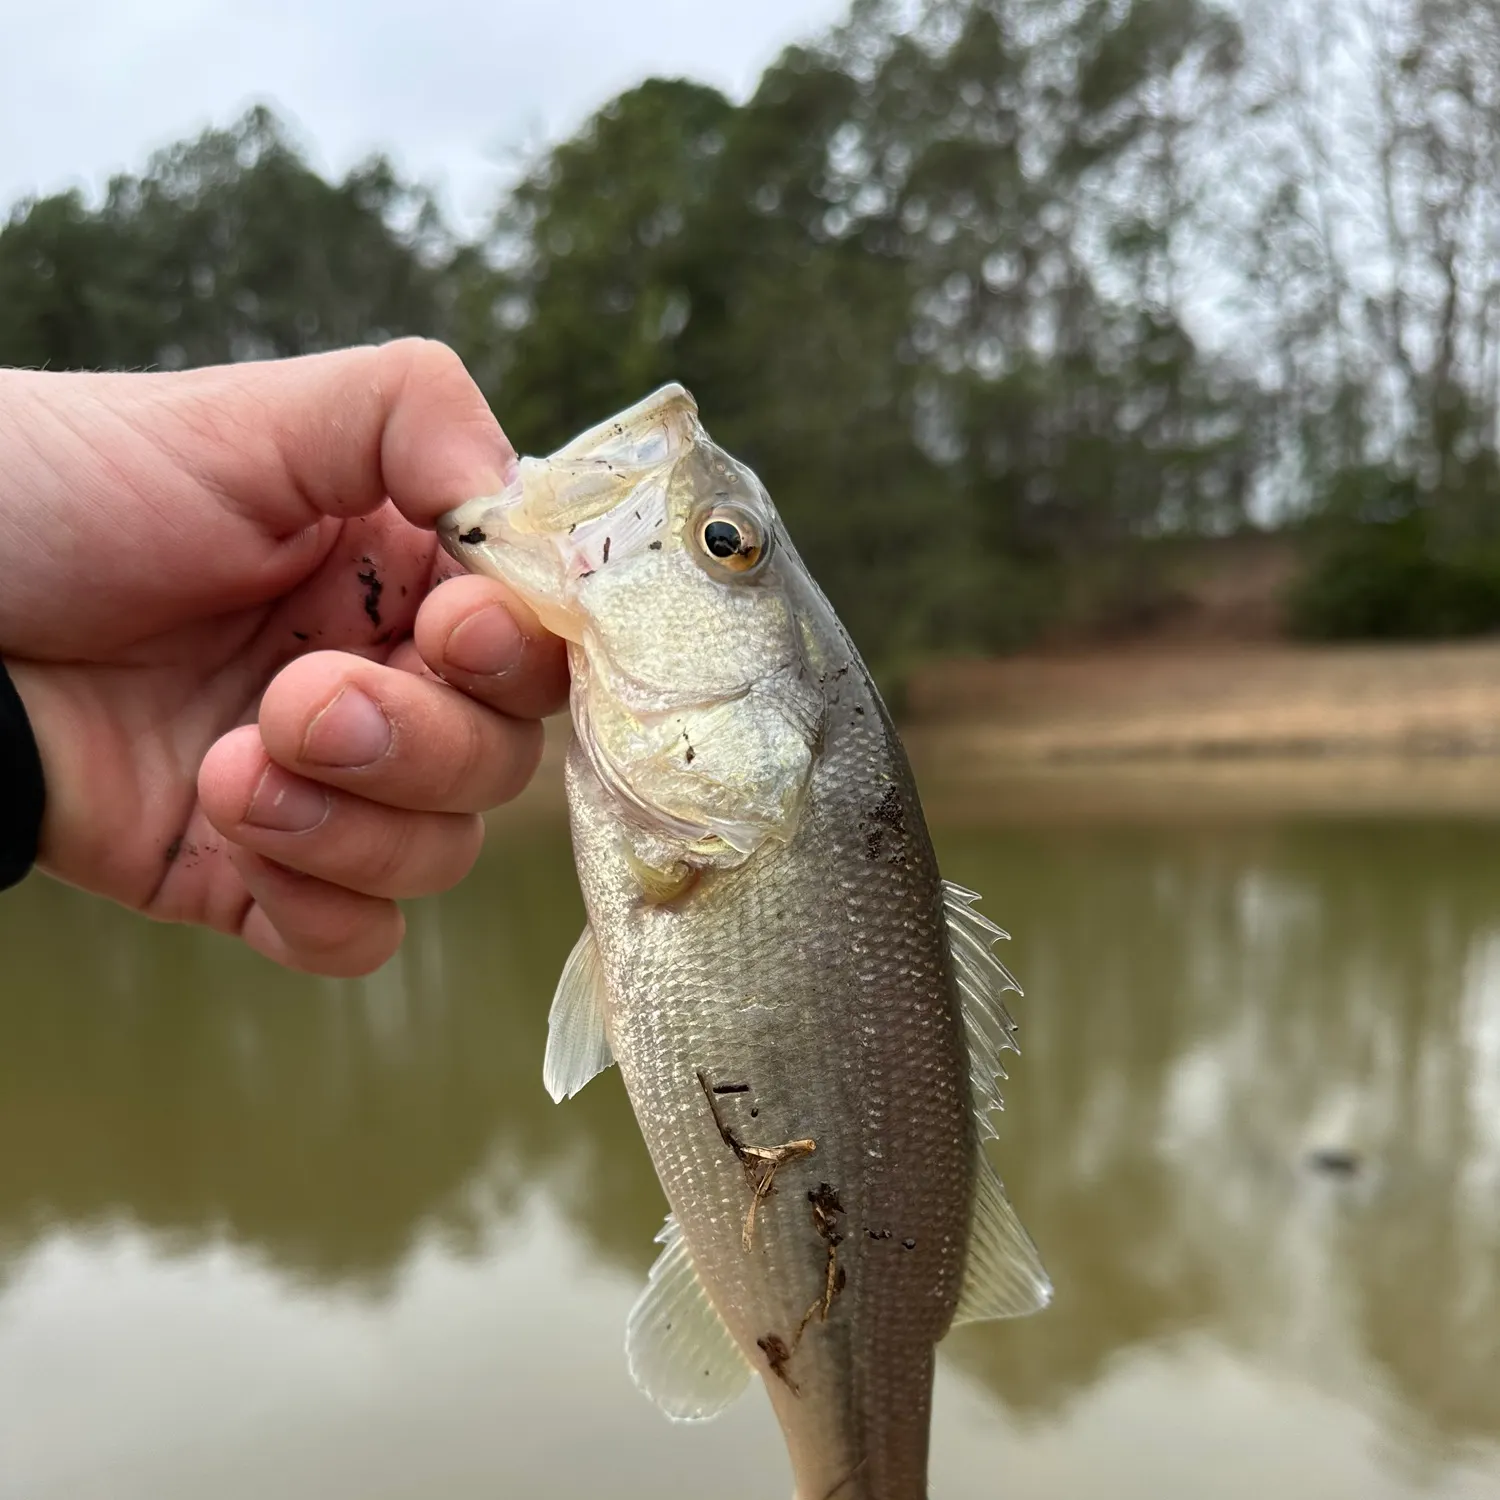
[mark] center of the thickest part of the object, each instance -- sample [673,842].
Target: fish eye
[730,537]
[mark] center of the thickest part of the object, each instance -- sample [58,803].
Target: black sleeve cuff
[23,793]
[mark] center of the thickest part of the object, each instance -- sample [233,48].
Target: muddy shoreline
[1196,729]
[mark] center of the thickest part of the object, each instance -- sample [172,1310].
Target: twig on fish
[773,1346]
[761,1163]
[833,1284]
[826,1210]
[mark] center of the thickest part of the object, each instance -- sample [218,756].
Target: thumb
[343,432]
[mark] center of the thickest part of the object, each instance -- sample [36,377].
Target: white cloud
[451,88]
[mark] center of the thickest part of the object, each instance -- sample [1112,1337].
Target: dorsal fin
[983,982]
[577,1049]
[1003,1276]
[678,1349]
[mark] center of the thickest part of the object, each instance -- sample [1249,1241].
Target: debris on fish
[808,1019]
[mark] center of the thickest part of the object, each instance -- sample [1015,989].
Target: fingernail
[495,478]
[487,644]
[351,732]
[286,804]
[495,465]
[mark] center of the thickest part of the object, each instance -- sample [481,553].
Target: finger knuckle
[388,869]
[527,743]
[423,359]
[347,935]
[462,845]
[444,852]
[351,960]
[464,767]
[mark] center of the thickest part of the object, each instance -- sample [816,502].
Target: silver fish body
[811,988]
[806,1018]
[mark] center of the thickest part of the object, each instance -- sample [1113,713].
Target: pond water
[263,1235]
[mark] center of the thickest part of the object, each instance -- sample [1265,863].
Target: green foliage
[61,298]
[601,270]
[876,278]
[926,280]
[228,247]
[1384,579]
[1388,558]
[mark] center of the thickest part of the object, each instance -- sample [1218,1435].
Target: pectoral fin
[678,1349]
[577,1048]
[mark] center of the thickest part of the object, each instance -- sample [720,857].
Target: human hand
[218,603]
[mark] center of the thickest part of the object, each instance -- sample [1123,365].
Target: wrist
[23,792]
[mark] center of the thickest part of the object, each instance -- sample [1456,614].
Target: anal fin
[679,1351]
[1004,1276]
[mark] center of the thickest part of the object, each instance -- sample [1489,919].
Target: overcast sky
[450,88]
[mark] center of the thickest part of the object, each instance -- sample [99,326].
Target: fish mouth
[462,528]
[478,523]
[553,523]
[483,537]
[586,478]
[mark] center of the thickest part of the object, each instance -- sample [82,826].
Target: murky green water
[263,1236]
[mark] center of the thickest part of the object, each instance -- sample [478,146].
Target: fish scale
[769,958]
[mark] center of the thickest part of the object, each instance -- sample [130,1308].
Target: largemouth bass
[809,1021]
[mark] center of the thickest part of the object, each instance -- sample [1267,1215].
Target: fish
[807,1018]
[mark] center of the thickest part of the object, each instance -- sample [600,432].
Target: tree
[1379,222]
[992,293]
[595,273]
[228,247]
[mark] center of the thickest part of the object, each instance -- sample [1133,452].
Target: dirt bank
[1169,702]
[1164,729]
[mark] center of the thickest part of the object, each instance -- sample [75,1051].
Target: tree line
[996,295]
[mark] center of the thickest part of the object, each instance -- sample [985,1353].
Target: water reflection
[164,1078]
[1206,1007]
